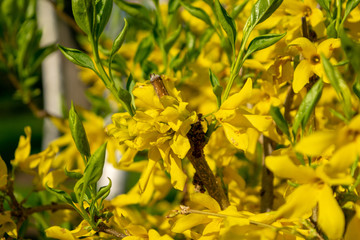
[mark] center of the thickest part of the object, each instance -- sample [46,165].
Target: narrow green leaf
[83,11]
[104,191]
[262,42]
[351,48]
[119,39]
[169,42]
[75,175]
[40,55]
[339,85]
[280,120]
[92,173]
[78,132]
[261,10]
[238,9]
[94,168]
[331,30]
[63,196]
[197,12]
[350,5]
[117,44]
[173,6]
[144,49]
[217,88]
[324,4]
[227,23]
[307,106]
[103,12]
[77,57]
[356,86]
[206,36]
[126,97]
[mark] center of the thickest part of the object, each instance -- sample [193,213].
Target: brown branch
[50,207]
[106,229]
[267,181]
[287,105]
[196,155]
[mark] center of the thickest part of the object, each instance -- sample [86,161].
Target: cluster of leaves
[251,130]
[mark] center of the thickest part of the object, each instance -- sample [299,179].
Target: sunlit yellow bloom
[241,127]
[64,234]
[161,127]
[315,188]
[311,64]
[352,231]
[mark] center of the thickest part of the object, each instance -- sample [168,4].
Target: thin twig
[267,181]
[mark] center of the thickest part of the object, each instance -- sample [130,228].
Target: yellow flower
[159,125]
[241,127]
[311,64]
[3,174]
[315,188]
[7,225]
[64,234]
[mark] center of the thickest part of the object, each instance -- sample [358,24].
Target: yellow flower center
[307,11]
[315,59]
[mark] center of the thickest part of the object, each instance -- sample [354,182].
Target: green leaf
[103,12]
[197,12]
[144,49]
[238,9]
[217,88]
[206,36]
[104,191]
[63,196]
[75,175]
[78,132]
[173,6]
[93,170]
[351,48]
[261,10]
[339,85]
[331,30]
[83,11]
[117,44]
[325,4]
[280,120]
[356,86]
[307,106]
[350,5]
[169,42]
[126,97]
[77,57]
[40,55]
[262,42]
[137,11]
[227,23]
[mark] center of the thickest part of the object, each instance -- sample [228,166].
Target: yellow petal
[342,159]
[261,123]
[144,179]
[283,167]
[234,217]
[237,137]
[327,46]
[211,230]
[59,233]
[189,221]
[301,75]
[3,173]
[305,46]
[206,201]
[23,149]
[331,218]
[180,145]
[352,231]
[178,177]
[7,225]
[316,143]
[239,98]
[300,202]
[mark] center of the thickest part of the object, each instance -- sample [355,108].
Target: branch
[106,229]
[267,180]
[196,155]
